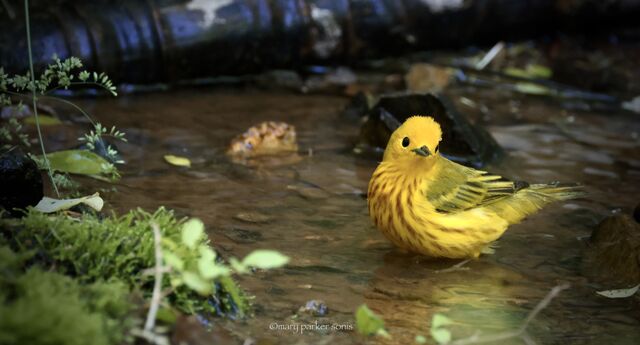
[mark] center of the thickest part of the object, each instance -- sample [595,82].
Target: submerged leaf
[265,259]
[178,161]
[49,205]
[532,89]
[619,293]
[44,120]
[532,71]
[80,162]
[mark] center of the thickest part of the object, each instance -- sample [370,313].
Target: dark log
[144,41]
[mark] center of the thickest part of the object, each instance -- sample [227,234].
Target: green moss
[39,307]
[91,249]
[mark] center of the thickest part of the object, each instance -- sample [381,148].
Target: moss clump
[91,249]
[39,307]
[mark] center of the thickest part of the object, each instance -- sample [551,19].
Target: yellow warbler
[425,203]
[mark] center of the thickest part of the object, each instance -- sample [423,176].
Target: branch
[157,286]
[521,332]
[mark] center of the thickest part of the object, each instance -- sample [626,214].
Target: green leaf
[367,322]
[619,293]
[440,320]
[265,259]
[207,253]
[441,335]
[211,270]
[196,283]
[50,205]
[532,89]
[178,161]
[173,260]
[238,266]
[167,315]
[80,162]
[207,265]
[420,339]
[532,71]
[192,232]
[83,76]
[44,120]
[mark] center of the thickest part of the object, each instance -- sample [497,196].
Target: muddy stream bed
[315,211]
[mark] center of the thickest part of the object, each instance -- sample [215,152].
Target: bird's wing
[457,188]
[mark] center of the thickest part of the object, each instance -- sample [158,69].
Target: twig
[33,98]
[150,337]
[456,267]
[157,286]
[521,332]
[490,56]
[9,9]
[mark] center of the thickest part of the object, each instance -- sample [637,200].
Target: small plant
[368,323]
[93,249]
[94,137]
[61,74]
[438,331]
[11,134]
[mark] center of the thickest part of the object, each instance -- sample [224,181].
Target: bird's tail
[532,198]
[558,191]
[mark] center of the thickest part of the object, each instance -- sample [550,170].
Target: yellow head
[416,141]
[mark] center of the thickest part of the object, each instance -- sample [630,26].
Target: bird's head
[415,141]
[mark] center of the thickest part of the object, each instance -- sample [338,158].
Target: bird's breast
[393,208]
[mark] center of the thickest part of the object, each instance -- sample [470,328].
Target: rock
[190,330]
[315,308]
[462,142]
[423,77]
[309,192]
[613,255]
[244,236]
[252,217]
[359,105]
[280,79]
[20,180]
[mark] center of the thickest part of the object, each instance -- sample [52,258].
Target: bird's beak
[422,151]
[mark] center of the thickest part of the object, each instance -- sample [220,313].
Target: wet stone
[243,235]
[310,193]
[613,255]
[252,217]
[462,141]
[315,308]
[20,180]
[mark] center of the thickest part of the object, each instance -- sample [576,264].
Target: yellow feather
[426,204]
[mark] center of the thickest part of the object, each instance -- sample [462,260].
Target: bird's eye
[405,142]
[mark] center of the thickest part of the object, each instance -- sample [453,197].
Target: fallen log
[146,41]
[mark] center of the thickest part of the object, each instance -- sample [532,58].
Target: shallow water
[315,212]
